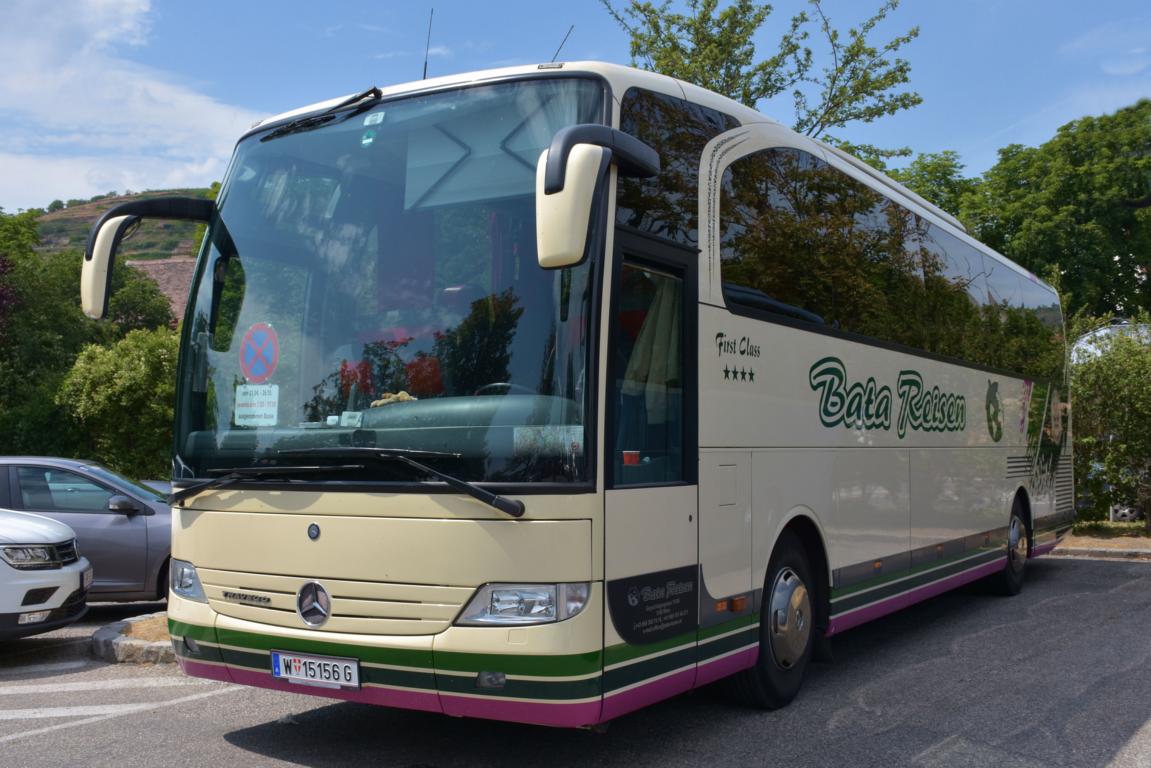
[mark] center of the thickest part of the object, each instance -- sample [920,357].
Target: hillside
[164,250]
[68,229]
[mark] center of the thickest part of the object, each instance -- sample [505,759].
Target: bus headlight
[520,604]
[185,581]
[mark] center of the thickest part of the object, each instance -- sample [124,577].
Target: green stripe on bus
[261,662]
[846,603]
[524,689]
[194,631]
[708,651]
[618,654]
[643,670]
[986,553]
[540,666]
[401,657]
[727,626]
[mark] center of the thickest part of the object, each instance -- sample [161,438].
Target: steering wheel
[502,388]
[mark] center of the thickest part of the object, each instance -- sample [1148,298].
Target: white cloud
[1119,48]
[76,119]
[439,50]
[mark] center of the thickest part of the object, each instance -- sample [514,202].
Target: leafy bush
[1111,397]
[123,398]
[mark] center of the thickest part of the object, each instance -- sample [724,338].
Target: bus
[543,394]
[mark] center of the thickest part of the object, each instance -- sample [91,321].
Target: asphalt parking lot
[1056,677]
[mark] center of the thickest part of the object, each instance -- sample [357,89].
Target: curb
[111,644]
[1099,552]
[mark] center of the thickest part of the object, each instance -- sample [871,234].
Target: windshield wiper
[235,474]
[410,457]
[309,122]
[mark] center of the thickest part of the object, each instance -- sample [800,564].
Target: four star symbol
[738,374]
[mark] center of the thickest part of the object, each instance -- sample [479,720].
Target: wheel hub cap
[790,619]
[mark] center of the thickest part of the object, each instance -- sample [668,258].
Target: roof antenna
[557,53]
[428,44]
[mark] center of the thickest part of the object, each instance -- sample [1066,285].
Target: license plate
[323,671]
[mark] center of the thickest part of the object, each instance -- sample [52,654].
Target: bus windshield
[371,281]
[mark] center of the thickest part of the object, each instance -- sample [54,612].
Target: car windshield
[373,282]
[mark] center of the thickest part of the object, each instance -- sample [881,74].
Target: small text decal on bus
[867,405]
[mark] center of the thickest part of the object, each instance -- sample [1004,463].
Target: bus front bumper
[548,674]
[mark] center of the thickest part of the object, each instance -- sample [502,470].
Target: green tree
[122,398]
[55,205]
[1075,203]
[937,177]
[714,48]
[136,302]
[1111,395]
[43,330]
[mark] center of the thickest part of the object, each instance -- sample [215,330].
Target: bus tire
[1010,580]
[786,629]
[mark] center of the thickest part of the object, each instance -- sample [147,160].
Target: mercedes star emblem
[313,604]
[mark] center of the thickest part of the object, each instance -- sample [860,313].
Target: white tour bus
[546,393]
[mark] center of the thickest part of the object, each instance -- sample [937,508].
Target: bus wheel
[786,625]
[1018,549]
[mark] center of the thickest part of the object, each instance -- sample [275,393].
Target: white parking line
[100,685]
[135,708]
[36,669]
[41,713]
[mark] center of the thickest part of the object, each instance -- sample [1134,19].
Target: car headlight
[29,556]
[185,582]
[519,604]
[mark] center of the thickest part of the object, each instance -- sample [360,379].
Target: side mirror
[110,230]
[567,175]
[123,505]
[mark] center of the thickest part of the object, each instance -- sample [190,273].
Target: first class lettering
[729,345]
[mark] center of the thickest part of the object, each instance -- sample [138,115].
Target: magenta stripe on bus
[711,671]
[198,669]
[1043,549]
[536,712]
[854,618]
[632,699]
[386,697]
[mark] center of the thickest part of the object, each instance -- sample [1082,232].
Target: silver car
[122,527]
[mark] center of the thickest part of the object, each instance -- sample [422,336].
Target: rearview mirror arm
[634,158]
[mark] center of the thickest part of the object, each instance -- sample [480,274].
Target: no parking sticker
[258,403]
[259,353]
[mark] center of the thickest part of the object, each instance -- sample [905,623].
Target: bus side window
[648,378]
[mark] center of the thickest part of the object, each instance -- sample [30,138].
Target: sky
[103,95]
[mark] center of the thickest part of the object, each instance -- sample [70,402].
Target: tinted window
[57,489]
[802,234]
[667,205]
[802,240]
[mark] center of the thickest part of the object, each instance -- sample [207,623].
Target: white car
[43,579]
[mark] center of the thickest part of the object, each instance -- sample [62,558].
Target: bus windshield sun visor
[411,458]
[236,474]
[361,101]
